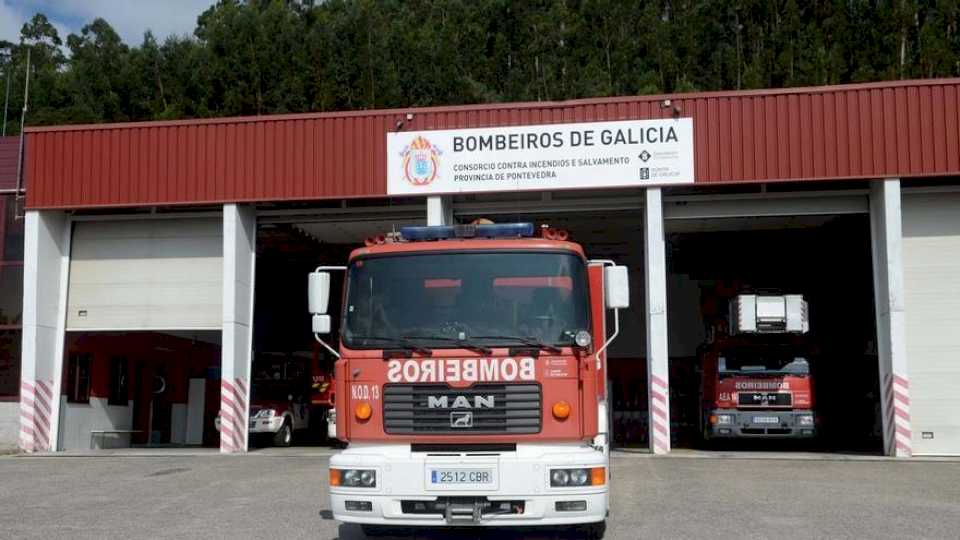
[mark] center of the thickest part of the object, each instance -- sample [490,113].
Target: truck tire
[594,531]
[284,436]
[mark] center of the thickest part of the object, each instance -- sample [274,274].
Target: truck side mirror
[321,324]
[616,287]
[318,293]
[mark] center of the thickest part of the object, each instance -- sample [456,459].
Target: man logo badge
[461,419]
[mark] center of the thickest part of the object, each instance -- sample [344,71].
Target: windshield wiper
[463,343]
[397,343]
[526,340]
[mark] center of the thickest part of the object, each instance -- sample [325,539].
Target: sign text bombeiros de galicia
[541,157]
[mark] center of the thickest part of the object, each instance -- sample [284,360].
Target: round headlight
[351,477]
[583,339]
[559,477]
[368,478]
[578,477]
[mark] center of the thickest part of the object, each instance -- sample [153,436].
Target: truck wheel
[285,436]
[594,531]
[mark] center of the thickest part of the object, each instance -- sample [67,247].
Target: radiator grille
[516,408]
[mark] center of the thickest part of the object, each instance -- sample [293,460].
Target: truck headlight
[360,478]
[724,419]
[578,477]
[805,420]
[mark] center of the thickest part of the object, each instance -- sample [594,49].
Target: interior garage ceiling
[745,223]
[352,232]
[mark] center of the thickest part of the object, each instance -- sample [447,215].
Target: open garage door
[817,389]
[161,274]
[931,261]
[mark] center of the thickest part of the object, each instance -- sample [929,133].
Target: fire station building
[153,274]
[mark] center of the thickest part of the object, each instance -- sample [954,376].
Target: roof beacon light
[481,230]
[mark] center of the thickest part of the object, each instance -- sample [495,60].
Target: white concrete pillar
[46,263]
[655,274]
[439,211]
[239,258]
[887,248]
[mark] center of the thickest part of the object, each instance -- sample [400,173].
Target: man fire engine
[756,378]
[471,380]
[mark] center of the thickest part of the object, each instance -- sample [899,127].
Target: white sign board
[543,157]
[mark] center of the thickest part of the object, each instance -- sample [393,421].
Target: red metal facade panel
[903,129]
[9,147]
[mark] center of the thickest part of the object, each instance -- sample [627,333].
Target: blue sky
[130,18]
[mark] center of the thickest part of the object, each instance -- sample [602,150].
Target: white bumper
[523,475]
[266,425]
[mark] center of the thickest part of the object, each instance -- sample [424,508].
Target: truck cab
[756,380]
[471,382]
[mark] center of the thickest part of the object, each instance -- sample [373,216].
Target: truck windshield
[446,300]
[760,363]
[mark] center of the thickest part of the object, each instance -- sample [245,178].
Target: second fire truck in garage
[756,379]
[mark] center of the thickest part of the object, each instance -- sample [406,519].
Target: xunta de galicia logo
[421,161]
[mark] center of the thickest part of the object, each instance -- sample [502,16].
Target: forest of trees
[249,57]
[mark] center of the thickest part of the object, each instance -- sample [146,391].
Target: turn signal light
[334,477]
[561,410]
[598,476]
[363,411]
[553,234]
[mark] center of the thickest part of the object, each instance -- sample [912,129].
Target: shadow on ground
[354,532]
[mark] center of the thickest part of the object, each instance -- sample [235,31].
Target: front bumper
[266,425]
[520,477]
[259,425]
[745,424]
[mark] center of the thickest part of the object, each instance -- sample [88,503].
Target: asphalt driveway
[277,495]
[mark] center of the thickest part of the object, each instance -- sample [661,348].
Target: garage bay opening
[811,384]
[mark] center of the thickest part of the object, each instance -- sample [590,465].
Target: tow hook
[463,512]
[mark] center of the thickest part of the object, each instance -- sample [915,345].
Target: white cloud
[130,18]
[11,19]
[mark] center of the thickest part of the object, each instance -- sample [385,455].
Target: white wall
[9,424]
[80,418]
[45,263]
[239,264]
[931,270]
[146,274]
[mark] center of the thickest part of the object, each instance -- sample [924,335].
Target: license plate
[462,478]
[766,420]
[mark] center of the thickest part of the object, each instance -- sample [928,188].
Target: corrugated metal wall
[8,162]
[902,129]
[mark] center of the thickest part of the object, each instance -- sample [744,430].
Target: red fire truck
[756,379]
[471,381]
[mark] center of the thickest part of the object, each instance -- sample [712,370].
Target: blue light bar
[415,234]
[494,230]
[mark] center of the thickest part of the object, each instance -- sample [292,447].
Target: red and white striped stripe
[659,415]
[233,415]
[899,431]
[36,411]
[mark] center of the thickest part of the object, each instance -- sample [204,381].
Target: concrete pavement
[275,495]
